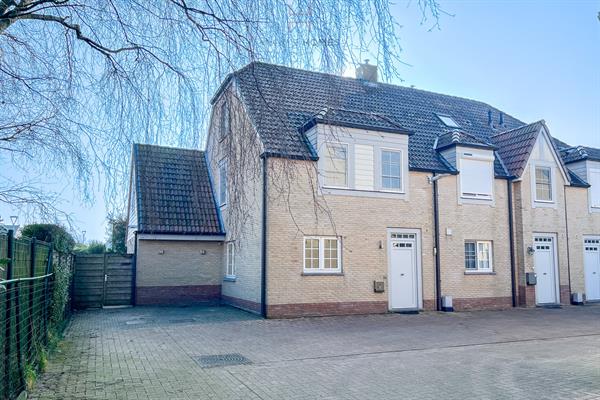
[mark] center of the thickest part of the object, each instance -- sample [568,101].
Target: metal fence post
[9,275]
[30,333]
[48,271]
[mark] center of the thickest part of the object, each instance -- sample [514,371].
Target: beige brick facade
[474,222]
[581,223]
[177,272]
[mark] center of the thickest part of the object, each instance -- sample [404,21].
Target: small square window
[478,256]
[322,254]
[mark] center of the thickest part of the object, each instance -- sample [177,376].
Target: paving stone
[516,354]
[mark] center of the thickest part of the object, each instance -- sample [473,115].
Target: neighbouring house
[321,195]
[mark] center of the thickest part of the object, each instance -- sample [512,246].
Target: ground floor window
[478,255]
[322,254]
[230,260]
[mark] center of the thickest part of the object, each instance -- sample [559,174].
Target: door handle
[545,273]
[401,274]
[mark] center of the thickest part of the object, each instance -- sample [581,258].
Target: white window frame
[552,184]
[321,266]
[391,150]
[347,172]
[230,260]
[223,189]
[447,120]
[477,196]
[490,252]
[594,207]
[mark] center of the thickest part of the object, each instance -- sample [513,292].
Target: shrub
[62,240]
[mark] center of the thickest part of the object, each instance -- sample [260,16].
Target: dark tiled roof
[280,100]
[515,145]
[576,180]
[579,153]
[460,138]
[174,192]
[354,119]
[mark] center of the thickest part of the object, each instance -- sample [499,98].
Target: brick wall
[178,272]
[581,222]
[530,220]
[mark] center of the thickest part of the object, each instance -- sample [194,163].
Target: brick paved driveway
[156,353]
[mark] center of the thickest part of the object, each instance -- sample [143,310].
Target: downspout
[568,247]
[436,241]
[134,277]
[511,240]
[263,281]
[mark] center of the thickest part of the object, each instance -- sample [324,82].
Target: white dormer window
[543,184]
[476,177]
[594,181]
[391,170]
[448,121]
[336,165]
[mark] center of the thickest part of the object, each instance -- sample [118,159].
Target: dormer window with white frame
[476,176]
[543,184]
[594,181]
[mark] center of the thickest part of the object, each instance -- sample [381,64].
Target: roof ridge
[519,127]
[167,147]
[348,78]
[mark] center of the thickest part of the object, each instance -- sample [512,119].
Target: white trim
[167,237]
[321,269]
[591,167]
[223,164]
[554,238]
[418,254]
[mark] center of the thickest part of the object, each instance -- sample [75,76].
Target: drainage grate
[221,360]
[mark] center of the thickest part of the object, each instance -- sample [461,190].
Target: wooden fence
[103,280]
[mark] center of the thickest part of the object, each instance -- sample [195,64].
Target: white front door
[591,263]
[403,275]
[546,291]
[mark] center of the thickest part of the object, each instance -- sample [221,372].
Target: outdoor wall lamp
[530,250]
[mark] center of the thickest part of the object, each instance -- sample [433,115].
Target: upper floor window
[476,178]
[230,260]
[322,254]
[478,256]
[594,187]
[224,125]
[543,184]
[391,175]
[336,165]
[223,183]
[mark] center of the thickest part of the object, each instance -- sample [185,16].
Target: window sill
[322,274]
[480,273]
[230,278]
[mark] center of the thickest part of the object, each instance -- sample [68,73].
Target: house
[328,195]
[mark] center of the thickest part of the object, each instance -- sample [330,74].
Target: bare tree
[81,80]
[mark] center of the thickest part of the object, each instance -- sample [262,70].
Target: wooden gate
[103,280]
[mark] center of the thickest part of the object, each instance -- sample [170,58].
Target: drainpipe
[511,240]
[568,247]
[436,243]
[134,277]
[263,281]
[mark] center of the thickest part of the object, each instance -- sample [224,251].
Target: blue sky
[531,59]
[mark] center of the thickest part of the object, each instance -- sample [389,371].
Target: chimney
[501,119]
[490,118]
[366,72]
